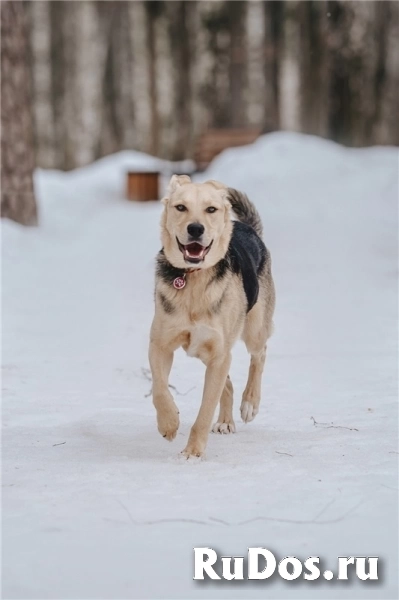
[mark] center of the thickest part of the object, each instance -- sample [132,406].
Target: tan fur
[207,319]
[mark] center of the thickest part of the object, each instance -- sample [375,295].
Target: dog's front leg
[215,379]
[161,359]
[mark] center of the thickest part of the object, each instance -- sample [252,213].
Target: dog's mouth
[194,252]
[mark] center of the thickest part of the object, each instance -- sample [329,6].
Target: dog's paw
[168,424]
[194,450]
[224,427]
[193,458]
[248,412]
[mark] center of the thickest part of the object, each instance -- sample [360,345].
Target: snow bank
[95,503]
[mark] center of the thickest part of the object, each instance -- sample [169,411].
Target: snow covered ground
[95,503]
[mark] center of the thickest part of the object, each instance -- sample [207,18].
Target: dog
[213,285]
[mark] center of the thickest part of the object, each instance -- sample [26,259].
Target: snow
[95,503]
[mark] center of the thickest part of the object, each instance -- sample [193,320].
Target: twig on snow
[389,487]
[60,444]
[324,509]
[195,521]
[221,521]
[127,511]
[331,425]
[308,521]
[314,521]
[184,393]
[147,375]
[284,453]
[133,522]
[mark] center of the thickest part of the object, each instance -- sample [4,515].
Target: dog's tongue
[194,250]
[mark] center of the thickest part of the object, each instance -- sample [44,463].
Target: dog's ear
[223,189]
[177,181]
[216,184]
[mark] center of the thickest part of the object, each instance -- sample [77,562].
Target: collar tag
[179,283]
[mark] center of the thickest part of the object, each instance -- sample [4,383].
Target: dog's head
[196,223]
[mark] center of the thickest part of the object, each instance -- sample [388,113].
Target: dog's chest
[204,315]
[193,305]
[194,320]
[196,301]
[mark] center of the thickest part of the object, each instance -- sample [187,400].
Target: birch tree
[17,151]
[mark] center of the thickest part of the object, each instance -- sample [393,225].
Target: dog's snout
[195,230]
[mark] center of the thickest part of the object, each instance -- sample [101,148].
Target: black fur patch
[216,306]
[165,270]
[166,304]
[247,256]
[220,270]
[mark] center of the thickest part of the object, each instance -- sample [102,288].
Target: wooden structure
[213,141]
[143,186]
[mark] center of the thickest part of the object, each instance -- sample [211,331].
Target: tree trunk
[152,12]
[110,130]
[274,32]
[256,89]
[58,88]
[313,67]
[181,52]
[349,80]
[216,93]
[38,20]
[17,147]
[140,87]
[386,125]
[237,17]
[288,69]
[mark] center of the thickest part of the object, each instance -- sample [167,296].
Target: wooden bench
[214,141]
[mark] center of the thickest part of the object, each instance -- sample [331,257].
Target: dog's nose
[195,230]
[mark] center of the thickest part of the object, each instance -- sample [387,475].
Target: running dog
[213,286]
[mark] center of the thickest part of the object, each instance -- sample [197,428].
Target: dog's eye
[180,207]
[211,209]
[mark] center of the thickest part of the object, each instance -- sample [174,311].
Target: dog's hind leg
[251,396]
[225,423]
[256,332]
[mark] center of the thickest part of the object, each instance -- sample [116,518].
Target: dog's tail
[245,210]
